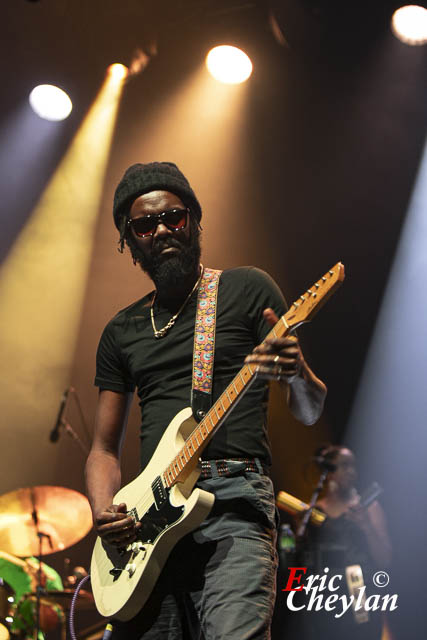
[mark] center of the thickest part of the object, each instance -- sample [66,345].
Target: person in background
[353,542]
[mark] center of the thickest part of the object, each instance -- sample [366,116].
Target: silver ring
[276,359]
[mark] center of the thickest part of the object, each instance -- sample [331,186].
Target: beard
[169,271]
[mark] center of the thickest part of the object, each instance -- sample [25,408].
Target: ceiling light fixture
[118,71]
[409,24]
[50,102]
[228,64]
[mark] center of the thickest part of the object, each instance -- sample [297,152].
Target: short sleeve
[111,373]
[261,292]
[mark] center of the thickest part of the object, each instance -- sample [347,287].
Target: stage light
[229,65]
[50,102]
[409,24]
[118,71]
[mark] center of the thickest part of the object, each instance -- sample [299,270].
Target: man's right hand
[115,527]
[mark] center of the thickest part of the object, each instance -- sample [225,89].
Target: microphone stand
[70,431]
[62,422]
[306,518]
[39,587]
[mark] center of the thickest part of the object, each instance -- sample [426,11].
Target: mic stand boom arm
[70,431]
[304,522]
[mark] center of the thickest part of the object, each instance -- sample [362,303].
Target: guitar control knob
[130,568]
[115,572]
[137,547]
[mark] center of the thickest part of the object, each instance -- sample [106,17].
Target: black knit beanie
[142,178]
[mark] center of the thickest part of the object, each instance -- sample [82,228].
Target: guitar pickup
[159,492]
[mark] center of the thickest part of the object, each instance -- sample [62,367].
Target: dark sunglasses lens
[144,226]
[176,218]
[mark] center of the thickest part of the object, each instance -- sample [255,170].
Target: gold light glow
[172,131]
[229,64]
[43,280]
[50,102]
[118,71]
[409,24]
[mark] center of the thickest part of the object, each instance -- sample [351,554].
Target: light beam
[42,284]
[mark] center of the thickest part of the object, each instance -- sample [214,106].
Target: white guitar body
[122,582]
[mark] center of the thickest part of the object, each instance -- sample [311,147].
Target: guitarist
[219,581]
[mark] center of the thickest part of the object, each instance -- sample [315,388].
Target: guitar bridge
[134,514]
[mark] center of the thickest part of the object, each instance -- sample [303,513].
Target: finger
[281,343]
[270,354]
[117,531]
[270,373]
[282,346]
[117,508]
[270,316]
[114,524]
[123,538]
[118,535]
[274,361]
[275,373]
[111,516]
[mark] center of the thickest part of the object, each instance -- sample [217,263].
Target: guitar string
[148,498]
[143,504]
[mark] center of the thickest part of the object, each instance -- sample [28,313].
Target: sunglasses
[173,219]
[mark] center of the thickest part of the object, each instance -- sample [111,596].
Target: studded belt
[231,467]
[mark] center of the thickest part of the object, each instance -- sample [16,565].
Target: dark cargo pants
[219,581]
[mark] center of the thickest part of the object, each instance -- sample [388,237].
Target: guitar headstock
[307,305]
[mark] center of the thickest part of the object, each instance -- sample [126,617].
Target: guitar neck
[302,310]
[205,430]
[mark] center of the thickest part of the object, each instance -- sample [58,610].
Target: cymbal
[62,515]
[4,633]
[63,598]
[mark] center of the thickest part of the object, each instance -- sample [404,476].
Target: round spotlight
[50,103]
[228,64]
[118,71]
[409,24]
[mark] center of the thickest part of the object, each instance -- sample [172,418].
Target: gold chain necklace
[160,333]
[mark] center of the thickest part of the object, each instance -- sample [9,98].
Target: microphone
[370,494]
[54,434]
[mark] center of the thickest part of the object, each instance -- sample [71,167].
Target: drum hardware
[38,521]
[6,603]
[63,599]
[63,516]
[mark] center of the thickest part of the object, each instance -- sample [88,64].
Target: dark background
[329,140]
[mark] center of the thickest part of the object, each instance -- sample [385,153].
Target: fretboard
[300,311]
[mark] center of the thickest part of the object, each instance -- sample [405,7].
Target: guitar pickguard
[160,516]
[157,519]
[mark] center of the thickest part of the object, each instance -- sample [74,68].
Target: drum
[6,603]
[4,632]
[51,615]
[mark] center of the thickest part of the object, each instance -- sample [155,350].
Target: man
[218,581]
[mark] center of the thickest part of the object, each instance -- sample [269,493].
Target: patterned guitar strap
[204,343]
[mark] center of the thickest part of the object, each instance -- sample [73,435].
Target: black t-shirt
[130,356]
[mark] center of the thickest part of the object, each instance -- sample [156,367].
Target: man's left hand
[277,358]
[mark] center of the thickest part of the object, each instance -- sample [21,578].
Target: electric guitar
[163,497]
